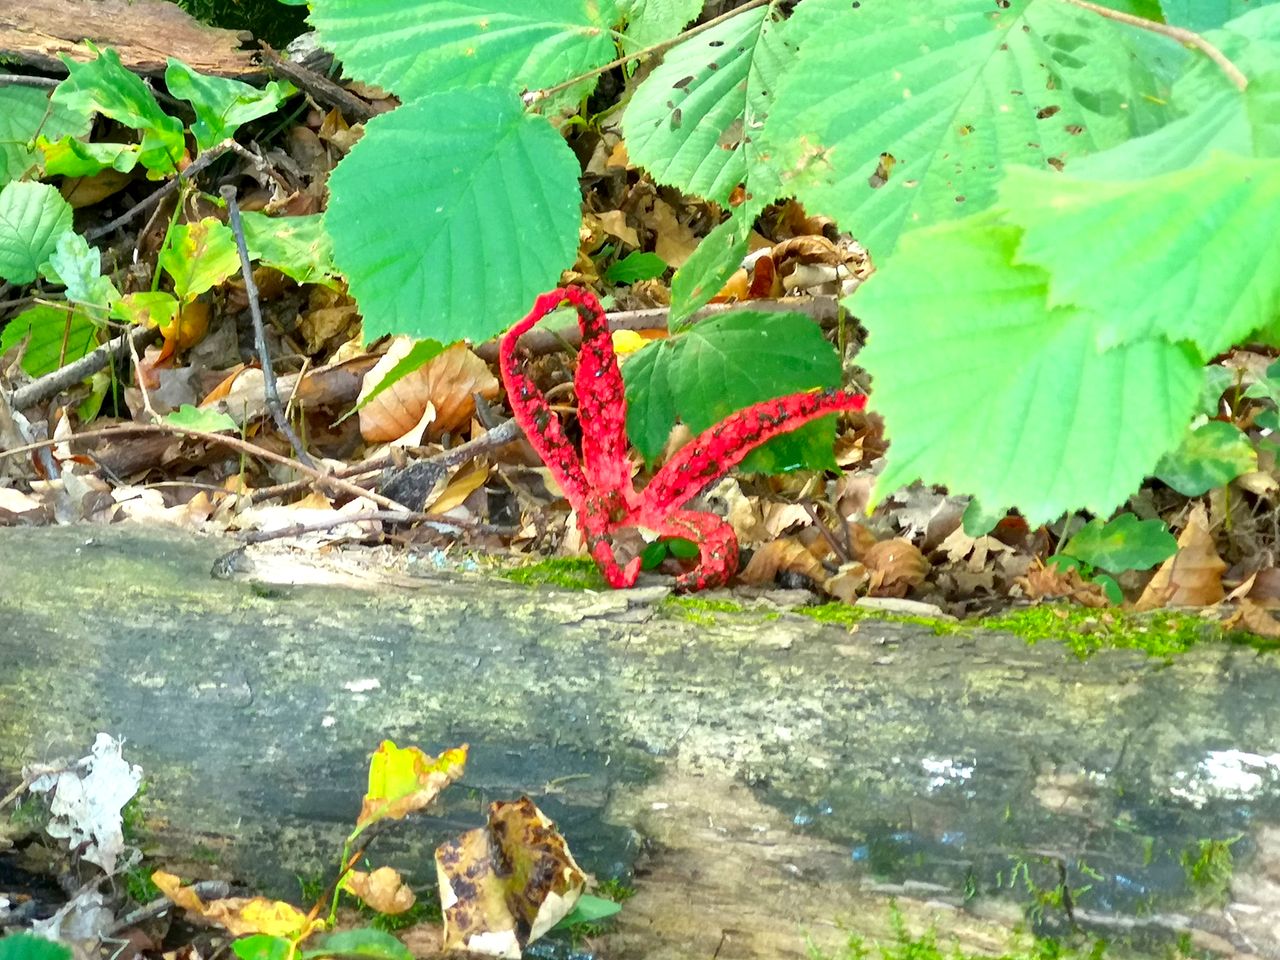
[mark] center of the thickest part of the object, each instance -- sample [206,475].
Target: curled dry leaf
[241,916]
[895,567]
[849,583]
[505,885]
[1055,583]
[785,554]
[1192,577]
[383,889]
[448,381]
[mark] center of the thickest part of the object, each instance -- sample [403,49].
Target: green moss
[138,884]
[848,615]
[572,573]
[270,21]
[133,818]
[1208,865]
[1085,631]
[925,947]
[706,612]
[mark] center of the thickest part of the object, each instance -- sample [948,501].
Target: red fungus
[599,484]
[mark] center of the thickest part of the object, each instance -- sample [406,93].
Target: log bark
[766,776]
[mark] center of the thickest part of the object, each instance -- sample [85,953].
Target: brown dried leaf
[783,554]
[849,583]
[448,381]
[895,566]
[383,889]
[1055,583]
[1192,577]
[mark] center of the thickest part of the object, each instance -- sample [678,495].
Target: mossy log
[767,777]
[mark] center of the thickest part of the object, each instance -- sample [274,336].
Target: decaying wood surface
[144,32]
[767,776]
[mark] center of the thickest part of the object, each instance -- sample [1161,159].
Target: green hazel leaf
[207,421]
[1211,455]
[373,944]
[954,91]
[985,389]
[49,328]
[262,946]
[221,105]
[33,216]
[104,86]
[691,123]
[717,257]
[651,407]
[1124,543]
[681,549]
[299,247]
[1221,217]
[78,267]
[978,521]
[27,946]
[199,256]
[652,21]
[1202,15]
[70,157]
[635,267]
[732,361]
[22,116]
[417,48]
[486,215]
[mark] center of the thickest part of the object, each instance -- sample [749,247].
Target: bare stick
[441,524]
[820,309]
[320,87]
[86,366]
[259,332]
[1180,34]
[533,96]
[235,443]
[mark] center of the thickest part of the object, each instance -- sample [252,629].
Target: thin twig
[836,546]
[195,167]
[820,308]
[441,524]
[142,429]
[52,383]
[534,96]
[499,436]
[320,87]
[1180,34]
[15,80]
[259,332]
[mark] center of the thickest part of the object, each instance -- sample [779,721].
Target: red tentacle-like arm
[531,410]
[599,486]
[716,451]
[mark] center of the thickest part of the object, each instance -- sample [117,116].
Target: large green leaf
[723,365]
[78,267]
[105,86]
[1201,15]
[221,104]
[22,116]
[58,335]
[1190,255]
[420,47]
[652,21]
[32,218]
[692,122]
[954,91]
[452,213]
[986,389]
